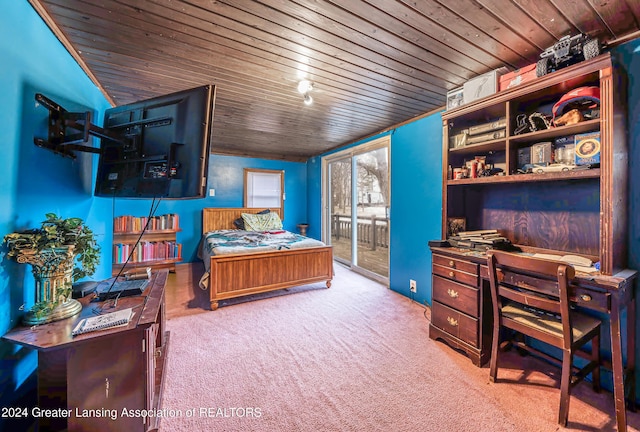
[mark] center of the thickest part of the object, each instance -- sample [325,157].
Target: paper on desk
[579,264]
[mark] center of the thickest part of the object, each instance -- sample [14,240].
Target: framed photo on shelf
[455,225]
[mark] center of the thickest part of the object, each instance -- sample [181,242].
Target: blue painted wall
[35,181]
[416,203]
[226,176]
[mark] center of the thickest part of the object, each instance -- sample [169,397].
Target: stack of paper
[479,239]
[99,322]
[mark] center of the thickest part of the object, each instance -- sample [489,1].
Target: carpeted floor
[355,357]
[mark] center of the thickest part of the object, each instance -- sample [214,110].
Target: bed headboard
[222,218]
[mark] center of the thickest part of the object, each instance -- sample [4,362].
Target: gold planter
[53,273]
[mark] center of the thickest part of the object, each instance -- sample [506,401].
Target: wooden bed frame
[240,275]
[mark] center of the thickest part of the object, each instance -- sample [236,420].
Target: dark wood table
[87,380]
[606,294]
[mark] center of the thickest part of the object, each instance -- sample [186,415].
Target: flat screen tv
[161,147]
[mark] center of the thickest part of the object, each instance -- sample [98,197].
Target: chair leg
[565,387]
[520,342]
[595,356]
[495,345]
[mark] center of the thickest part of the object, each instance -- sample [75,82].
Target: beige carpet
[355,357]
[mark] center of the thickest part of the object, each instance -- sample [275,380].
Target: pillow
[239,223]
[261,222]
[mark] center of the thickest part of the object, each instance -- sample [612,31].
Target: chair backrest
[538,283]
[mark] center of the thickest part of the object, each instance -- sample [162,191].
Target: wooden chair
[530,296]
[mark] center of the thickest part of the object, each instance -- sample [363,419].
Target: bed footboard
[239,275]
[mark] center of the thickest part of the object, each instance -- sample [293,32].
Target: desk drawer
[591,299]
[456,275]
[455,264]
[484,272]
[462,297]
[455,323]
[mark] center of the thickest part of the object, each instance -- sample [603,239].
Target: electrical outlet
[412,285]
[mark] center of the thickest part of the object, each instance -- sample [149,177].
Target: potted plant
[61,252]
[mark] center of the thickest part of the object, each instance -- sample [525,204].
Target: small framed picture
[455,225]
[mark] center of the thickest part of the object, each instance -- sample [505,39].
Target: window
[264,189]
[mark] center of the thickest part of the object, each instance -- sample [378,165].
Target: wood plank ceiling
[373,63]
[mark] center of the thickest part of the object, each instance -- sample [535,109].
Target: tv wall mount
[69,130]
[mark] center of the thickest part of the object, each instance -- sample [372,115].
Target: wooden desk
[460,269]
[105,371]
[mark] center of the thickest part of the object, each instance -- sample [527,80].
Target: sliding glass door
[340,204]
[372,231]
[356,207]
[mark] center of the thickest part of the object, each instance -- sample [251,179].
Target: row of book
[478,240]
[168,221]
[147,251]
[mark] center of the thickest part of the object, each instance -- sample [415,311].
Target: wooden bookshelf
[157,247]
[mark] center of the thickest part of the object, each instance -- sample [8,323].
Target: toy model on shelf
[554,167]
[567,51]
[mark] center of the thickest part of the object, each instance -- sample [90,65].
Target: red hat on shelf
[589,96]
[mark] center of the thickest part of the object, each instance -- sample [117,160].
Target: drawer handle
[452,274]
[452,263]
[452,293]
[452,321]
[585,297]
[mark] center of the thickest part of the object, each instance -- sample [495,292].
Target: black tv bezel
[206,95]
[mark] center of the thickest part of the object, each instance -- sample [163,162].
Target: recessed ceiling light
[305,86]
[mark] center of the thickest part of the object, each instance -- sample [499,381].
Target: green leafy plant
[41,309]
[56,232]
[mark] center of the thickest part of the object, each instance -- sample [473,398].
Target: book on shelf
[479,233]
[123,224]
[147,251]
[101,322]
[489,241]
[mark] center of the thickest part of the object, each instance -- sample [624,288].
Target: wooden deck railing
[372,230]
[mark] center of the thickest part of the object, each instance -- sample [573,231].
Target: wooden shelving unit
[157,248]
[580,212]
